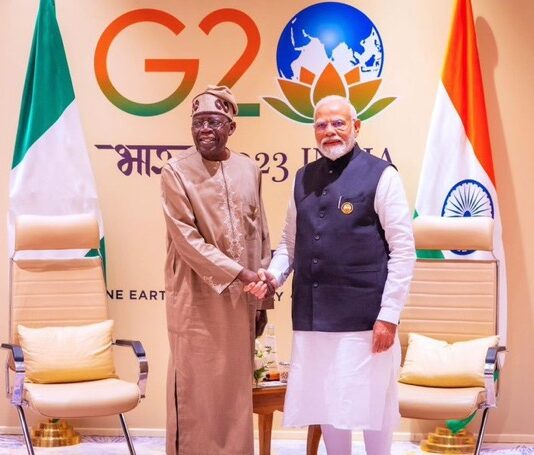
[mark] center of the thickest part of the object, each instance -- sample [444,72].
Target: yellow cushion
[436,363]
[67,354]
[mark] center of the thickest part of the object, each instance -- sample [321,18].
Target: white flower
[258,363]
[258,346]
[261,362]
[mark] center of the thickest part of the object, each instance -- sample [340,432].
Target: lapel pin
[347,208]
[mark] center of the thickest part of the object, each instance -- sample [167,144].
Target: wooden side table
[266,400]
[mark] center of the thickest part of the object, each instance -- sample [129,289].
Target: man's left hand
[383,336]
[261,322]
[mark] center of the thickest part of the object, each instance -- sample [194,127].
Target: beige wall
[415,35]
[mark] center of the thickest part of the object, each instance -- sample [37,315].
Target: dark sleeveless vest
[341,254]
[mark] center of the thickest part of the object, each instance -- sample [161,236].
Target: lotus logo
[329,49]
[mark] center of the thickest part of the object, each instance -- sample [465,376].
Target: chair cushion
[436,363]
[67,354]
[82,399]
[439,403]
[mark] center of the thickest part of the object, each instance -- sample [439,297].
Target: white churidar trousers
[337,382]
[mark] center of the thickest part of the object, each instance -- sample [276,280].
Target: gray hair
[342,99]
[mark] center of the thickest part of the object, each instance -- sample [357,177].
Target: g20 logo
[189,67]
[329,49]
[325,49]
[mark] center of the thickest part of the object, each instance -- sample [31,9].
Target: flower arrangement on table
[262,361]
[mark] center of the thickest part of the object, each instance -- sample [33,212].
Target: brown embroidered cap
[216,99]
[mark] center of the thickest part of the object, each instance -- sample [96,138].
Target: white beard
[335,152]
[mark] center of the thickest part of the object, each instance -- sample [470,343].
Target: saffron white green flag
[51,172]
[457,178]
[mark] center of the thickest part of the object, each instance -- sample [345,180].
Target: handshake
[260,284]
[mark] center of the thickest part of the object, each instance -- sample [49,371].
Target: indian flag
[51,172]
[457,178]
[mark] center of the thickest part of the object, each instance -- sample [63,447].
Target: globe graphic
[330,32]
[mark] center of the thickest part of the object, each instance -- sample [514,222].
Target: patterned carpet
[13,445]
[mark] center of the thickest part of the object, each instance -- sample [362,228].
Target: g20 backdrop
[137,64]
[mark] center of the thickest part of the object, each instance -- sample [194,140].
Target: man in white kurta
[344,379]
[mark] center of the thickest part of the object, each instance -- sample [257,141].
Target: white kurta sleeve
[394,214]
[282,263]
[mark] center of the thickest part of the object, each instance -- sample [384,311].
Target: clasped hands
[261,284]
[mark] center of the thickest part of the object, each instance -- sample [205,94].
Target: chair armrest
[17,394]
[491,367]
[492,356]
[139,351]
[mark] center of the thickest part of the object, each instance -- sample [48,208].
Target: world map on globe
[330,33]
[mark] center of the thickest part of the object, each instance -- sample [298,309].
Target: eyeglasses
[338,124]
[213,124]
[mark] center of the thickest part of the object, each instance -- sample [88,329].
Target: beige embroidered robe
[215,226]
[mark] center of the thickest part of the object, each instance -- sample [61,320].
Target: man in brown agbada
[216,237]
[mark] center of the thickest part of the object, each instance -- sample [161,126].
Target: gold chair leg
[25,430]
[127,434]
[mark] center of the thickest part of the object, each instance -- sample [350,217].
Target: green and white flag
[51,173]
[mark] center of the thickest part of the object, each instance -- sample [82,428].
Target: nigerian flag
[51,172]
[457,178]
